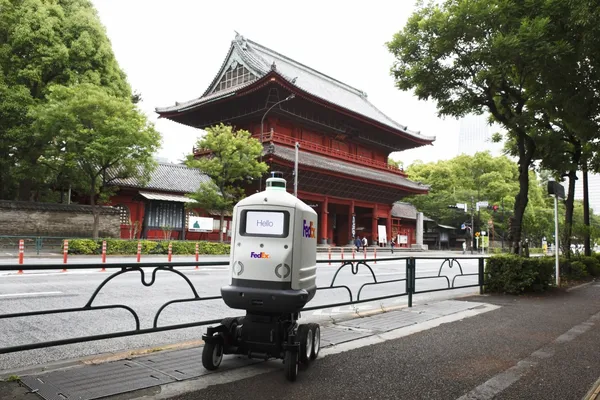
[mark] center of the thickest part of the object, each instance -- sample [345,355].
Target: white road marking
[498,383]
[29,294]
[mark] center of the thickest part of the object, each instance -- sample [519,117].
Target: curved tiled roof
[260,60]
[404,210]
[168,177]
[346,168]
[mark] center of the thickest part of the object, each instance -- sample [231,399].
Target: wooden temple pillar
[374,226]
[324,218]
[388,227]
[351,216]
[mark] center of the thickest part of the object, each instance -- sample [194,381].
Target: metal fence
[148,279]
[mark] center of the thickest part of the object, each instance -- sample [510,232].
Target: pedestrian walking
[365,243]
[357,243]
[392,244]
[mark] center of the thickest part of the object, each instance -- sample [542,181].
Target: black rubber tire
[212,355]
[305,337]
[291,365]
[228,321]
[316,347]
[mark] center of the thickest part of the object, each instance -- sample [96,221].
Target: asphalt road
[533,347]
[42,290]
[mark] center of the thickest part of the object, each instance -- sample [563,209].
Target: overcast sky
[171,51]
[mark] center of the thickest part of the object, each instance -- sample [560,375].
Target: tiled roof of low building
[168,177]
[260,60]
[346,168]
[404,210]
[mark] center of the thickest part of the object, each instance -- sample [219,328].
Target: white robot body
[273,252]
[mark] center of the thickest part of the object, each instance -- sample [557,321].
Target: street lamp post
[291,96]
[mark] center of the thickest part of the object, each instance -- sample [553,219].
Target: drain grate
[96,381]
[332,335]
[388,321]
[92,382]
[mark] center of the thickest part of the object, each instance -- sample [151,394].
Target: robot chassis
[263,336]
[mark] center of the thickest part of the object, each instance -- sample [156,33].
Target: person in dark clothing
[392,244]
[358,243]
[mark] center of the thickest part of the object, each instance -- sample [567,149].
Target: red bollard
[103,255]
[353,254]
[329,251]
[65,253]
[342,253]
[21,253]
[375,255]
[139,252]
[196,254]
[365,252]
[170,251]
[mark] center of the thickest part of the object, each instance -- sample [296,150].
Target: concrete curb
[594,392]
[580,286]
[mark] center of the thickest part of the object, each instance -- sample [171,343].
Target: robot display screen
[265,223]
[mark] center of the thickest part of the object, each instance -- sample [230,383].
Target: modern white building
[593,188]
[475,135]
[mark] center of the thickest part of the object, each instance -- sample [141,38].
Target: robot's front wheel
[316,345]
[291,365]
[306,336]
[212,355]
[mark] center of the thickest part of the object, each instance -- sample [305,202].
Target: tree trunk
[526,150]
[221,226]
[95,211]
[586,212]
[569,206]
[570,202]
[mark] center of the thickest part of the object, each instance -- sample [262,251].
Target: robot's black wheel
[226,322]
[305,337]
[316,344]
[212,355]
[291,365]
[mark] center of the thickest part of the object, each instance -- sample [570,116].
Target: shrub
[578,271]
[592,265]
[513,274]
[129,247]
[83,246]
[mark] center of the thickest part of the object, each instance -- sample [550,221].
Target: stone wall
[20,218]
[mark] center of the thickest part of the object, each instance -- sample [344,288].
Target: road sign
[463,227]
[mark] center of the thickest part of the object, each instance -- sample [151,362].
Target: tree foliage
[475,55]
[482,178]
[96,138]
[43,44]
[231,160]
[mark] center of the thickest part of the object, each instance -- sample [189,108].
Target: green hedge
[512,274]
[129,247]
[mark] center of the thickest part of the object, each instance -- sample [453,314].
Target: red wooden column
[350,214]
[374,226]
[324,218]
[388,226]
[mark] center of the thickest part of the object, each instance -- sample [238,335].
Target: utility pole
[504,222]
[296,170]
[472,223]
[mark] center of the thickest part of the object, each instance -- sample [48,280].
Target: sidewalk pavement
[480,347]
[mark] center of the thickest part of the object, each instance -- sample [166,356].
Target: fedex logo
[308,231]
[262,254]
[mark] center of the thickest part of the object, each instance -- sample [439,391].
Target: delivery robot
[273,276]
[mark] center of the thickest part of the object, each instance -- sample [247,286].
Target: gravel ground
[452,360]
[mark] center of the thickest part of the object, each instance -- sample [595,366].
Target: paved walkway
[482,347]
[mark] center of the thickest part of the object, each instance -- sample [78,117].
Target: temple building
[344,140]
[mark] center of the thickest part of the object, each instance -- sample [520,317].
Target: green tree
[476,55]
[482,178]
[231,160]
[45,43]
[97,138]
